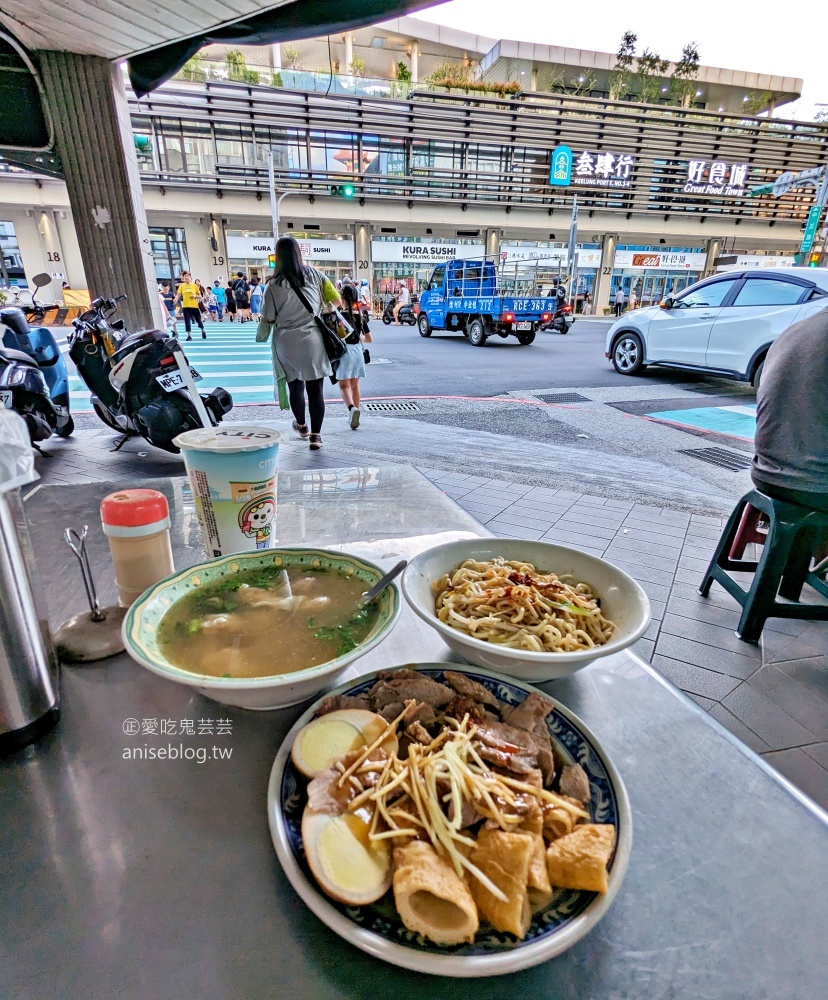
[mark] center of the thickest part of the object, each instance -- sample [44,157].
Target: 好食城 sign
[717,177]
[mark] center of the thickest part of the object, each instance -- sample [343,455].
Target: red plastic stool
[747,532]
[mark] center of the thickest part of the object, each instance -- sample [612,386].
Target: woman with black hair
[351,367]
[297,343]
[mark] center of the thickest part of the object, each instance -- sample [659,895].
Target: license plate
[170,381]
[523,326]
[5,398]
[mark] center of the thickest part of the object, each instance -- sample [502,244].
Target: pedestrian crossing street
[229,357]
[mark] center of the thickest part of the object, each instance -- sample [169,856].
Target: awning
[288,22]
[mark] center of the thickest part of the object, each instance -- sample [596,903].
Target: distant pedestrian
[190,298]
[351,368]
[230,302]
[298,347]
[633,299]
[587,304]
[169,318]
[168,298]
[256,297]
[619,302]
[219,295]
[241,289]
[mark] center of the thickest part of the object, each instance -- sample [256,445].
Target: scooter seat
[9,354]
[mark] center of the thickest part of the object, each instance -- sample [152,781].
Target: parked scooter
[407,314]
[23,389]
[38,342]
[136,385]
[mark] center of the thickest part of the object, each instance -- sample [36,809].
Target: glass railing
[345,84]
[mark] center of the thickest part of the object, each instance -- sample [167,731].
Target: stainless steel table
[157,879]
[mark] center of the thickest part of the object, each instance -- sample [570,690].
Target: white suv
[723,324]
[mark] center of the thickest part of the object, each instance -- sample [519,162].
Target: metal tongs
[77,543]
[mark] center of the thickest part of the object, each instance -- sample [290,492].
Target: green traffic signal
[343,190]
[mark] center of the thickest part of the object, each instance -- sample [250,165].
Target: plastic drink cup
[232,471]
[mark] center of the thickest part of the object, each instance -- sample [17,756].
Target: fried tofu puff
[505,859]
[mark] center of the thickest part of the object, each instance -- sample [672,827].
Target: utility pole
[573,237]
[274,205]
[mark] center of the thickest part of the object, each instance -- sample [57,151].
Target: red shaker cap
[133,508]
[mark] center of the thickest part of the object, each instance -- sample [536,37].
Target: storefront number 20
[362,265]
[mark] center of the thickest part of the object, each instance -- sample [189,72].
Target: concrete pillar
[600,294]
[714,249]
[533,79]
[221,265]
[93,137]
[362,253]
[199,252]
[349,52]
[415,61]
[493,245]
[31,245]
[276,56]
[53,252]
[75,274]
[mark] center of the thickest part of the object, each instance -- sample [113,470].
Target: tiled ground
[773,696]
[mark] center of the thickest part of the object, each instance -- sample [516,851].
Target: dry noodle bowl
[512,604]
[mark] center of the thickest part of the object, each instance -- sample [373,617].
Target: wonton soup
[266,621]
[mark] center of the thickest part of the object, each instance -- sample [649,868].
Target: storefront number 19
[218,260]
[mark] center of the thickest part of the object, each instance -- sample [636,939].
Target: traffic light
[343,190]
[271,260]
[813,259]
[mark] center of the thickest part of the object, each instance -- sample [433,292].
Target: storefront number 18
[53,257]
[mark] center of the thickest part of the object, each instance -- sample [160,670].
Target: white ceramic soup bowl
[140,628]
[623,602]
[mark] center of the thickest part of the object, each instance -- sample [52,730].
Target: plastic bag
[16,455]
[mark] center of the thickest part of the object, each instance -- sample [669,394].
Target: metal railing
[497,149]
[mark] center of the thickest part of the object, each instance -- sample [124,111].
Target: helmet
[364,283]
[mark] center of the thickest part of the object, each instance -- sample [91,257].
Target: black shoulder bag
[334,346]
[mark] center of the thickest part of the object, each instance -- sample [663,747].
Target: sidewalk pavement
[773,696]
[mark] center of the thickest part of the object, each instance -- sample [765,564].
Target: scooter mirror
[42,280]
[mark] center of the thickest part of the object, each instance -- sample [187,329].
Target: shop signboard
[590,168]
[414,252]
[511,253]
[659,260]
[741,260]
[717,177]
[260,247]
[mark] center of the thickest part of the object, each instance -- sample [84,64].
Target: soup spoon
[377,589]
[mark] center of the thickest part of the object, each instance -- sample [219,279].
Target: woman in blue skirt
[351,366]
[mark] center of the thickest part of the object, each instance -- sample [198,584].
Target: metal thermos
[28,665]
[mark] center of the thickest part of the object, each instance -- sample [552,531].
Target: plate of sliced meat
[449,820]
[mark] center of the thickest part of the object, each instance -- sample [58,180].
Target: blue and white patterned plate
[378,930]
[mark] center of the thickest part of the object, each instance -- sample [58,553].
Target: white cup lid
[228,438]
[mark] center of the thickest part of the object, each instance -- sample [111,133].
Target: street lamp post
[275,203]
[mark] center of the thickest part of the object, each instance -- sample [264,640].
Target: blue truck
[463,296]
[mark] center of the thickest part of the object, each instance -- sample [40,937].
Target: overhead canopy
[288,21]
[159,38]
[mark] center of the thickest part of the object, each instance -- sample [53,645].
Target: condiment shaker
[137,524]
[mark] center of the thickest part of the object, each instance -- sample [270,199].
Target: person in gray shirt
[791,460]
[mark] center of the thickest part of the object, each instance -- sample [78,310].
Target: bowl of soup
[261,630]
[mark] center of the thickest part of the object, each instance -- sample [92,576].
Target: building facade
[663,192]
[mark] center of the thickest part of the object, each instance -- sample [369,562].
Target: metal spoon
[377,589]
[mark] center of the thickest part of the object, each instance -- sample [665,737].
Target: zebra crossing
[229,357]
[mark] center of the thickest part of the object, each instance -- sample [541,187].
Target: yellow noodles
[513,604]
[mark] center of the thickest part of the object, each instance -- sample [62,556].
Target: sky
[756,37]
